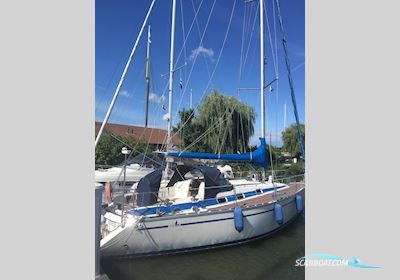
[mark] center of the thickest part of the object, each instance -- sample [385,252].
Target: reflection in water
[269,258]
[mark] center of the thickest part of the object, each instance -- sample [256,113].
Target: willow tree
[291,141]
[230,124]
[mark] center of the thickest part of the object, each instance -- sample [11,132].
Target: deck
[264,199]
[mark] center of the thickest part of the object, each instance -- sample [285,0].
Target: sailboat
[195,208]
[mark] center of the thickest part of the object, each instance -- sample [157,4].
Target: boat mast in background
[123,77]
[147,76]
[171,74]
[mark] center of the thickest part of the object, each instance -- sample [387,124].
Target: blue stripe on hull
[219,245]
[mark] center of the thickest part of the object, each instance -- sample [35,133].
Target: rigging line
[247,18]
[241,123]
[123,112]
[245,32]
[156,110]
[123,75]
[131,37]
[211,128]
[276,49]
[133,148]
[226,127]
[163,95]
[270,159]
[204,134]
[222,47]
[251,36]
[254,17]
[151,133]
[241,61]
[225,132]
[219,140]
[152,129]
[130,155]
[195,57]
[100,103]
[290,80]
[183,34]
[270,41]
[148,143]
[241,49]
[219,57]
[199,32]
[187,35]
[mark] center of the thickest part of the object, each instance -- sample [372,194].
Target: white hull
[115,174]
[190,232]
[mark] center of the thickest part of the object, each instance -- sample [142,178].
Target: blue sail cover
[258,157]
[148,188]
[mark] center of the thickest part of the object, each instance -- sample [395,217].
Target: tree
[231,123]
[291,141]
[108,150]
[227,122]
[188,130]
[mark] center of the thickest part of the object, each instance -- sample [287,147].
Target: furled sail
[258,157]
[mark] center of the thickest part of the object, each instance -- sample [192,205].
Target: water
[269,258]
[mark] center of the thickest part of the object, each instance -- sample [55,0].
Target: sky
[208,65]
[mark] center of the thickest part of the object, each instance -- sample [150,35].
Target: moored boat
[183,208]
[204,218]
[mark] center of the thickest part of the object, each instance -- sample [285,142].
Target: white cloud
[204,51]
[125,93]
[156,99]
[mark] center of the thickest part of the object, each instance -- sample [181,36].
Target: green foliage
[291,141]
[288,173]
[275,154]
[230,121]
[294,169]
[108,150]
[189,131]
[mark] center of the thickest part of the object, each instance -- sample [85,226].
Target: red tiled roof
[147,134]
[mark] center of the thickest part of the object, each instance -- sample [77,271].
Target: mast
[262,64]
[122,77]
[147,76]
[171,74]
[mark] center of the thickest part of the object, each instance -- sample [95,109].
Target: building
[150,135]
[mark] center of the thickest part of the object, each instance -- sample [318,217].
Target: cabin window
[239,196]
[258,191]
[221,200]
